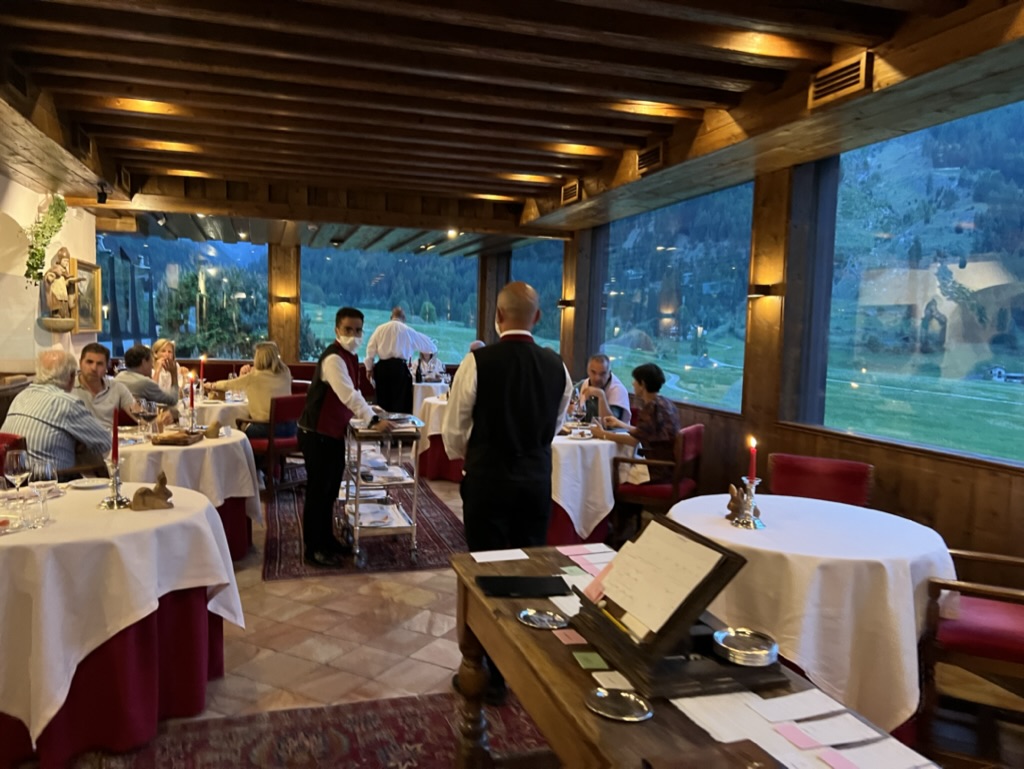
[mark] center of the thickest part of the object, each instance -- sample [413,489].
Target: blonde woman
[166,371]
[268,378]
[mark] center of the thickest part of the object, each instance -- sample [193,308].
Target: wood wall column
[762,359]
[494,271]
[284,305]
[584,265]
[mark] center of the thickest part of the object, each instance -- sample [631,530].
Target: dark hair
[136,356]
[95,347]
[347,312]
[650,376]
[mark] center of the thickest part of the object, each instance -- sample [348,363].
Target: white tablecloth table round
[71,586]
[843,590]
[423,390]
[220,468]
[225,412]
[581,479]
[432,415]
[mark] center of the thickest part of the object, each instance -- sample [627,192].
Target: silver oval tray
[542,619]
[746,647]
[618,704]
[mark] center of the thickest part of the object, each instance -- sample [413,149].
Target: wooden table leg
[473,749]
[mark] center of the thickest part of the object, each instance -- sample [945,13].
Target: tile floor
[335,639]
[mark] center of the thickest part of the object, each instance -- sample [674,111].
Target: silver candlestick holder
[115,500]
[192,419]
[745,513]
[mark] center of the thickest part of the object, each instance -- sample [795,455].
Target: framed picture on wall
[88,286]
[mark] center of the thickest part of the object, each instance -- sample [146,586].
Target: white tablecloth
[423,390]
[432,415]
[581,479]
[842,589]
[71,586]
[226,412]
[220,468]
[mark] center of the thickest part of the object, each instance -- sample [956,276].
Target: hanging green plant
[40,234]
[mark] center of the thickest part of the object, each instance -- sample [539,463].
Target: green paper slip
[573,571]
[590,660]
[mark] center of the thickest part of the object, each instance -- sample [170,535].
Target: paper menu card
[654,574]
[843,729]
[885,754]
[792,707]
[490,556]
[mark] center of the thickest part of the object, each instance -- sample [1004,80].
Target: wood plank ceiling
[416,100]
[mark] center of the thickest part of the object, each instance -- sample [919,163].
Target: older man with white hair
[55,424]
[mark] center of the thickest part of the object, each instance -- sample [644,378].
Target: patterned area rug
[405,733]
[438,534]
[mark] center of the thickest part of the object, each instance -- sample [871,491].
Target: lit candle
[202,366]
[191,391]
[752,472]
[113,440]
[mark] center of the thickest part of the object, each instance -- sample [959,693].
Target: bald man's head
[518,307]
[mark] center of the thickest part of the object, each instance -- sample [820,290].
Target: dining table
[222,468]
[110,621]
[225,412]
[422,391]
[842,589]
[433,460]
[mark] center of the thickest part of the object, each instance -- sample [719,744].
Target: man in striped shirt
[55,424]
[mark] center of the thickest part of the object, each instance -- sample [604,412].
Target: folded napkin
[176,438]
[213,431]
[156,498]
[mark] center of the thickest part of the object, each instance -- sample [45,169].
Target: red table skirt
[435,465]
[237,527]
[562,532]
[155,669]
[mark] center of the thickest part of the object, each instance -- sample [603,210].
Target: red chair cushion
[985,628]
[259,445]
[662,491]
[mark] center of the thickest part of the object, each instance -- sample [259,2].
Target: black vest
[519,391]
[324,413]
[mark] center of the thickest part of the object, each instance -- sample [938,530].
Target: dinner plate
[88,483]
[618,704]
[542,619]
[581,437]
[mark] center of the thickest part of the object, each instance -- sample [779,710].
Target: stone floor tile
[277,669]
[366,661]
[440,652]
[413,676]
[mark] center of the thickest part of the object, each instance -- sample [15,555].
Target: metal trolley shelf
[374,466]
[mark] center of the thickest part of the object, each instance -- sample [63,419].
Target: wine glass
[43,479]
[16,470]
[147,413]
[231,395]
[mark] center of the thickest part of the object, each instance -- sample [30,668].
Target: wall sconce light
[106,312]
[281,299]
[757,290]
[566,303]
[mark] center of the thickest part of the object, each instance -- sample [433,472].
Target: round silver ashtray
[746,647]
[618,704]
[542,619]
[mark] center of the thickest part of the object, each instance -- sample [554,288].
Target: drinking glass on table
[147,413]
[16,471]
[42,481]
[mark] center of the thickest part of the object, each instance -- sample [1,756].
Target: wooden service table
[551,687]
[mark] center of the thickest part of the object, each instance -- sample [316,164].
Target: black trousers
[325,466]
[393,383]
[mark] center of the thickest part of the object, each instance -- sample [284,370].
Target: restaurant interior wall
[21,338]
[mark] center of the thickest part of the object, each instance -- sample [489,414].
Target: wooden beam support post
[284,304]
[584,266]
[762,357]
[493,272]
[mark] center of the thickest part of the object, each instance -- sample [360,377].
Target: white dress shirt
[615,393]
[334,371]
[458,417]
[395,339]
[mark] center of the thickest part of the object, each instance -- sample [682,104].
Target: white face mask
[350,343]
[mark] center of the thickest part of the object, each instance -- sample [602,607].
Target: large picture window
[540,265]
[927,322]
[676,295]
[210,298]
[438,294]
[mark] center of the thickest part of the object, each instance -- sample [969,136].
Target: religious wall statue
[59,291]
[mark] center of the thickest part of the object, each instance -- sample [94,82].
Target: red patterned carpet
[438,534]
[406,733]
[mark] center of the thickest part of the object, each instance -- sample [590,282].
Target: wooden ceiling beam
[381,120]
[375,40]
[616,28]
[922,7]
[389,62]
[837,22]
[530,96]
[286,143]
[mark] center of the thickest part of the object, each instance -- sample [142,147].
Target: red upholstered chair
[985,639]
[12,442]
[283,410]
[659,497]
[835,480]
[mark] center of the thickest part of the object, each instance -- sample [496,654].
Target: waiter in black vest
[332,401]
[506,404]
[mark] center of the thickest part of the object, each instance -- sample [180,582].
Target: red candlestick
[113,440]
[752,472]
[191,393]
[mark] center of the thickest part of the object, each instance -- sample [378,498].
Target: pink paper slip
[568,636]
[590,568]
[573,549]
[595,590]
[836,760]
[795,734]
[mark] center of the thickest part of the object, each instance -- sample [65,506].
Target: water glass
[16,470]
[42,481]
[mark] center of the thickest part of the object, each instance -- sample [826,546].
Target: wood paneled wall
[284,305]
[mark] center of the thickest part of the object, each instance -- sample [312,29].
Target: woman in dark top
[657,422]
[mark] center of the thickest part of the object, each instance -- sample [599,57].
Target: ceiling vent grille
[571,192]
[841,80]
[81,144]
[14,78]
[650,159]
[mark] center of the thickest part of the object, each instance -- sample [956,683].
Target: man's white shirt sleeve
[336,375]
[458,417]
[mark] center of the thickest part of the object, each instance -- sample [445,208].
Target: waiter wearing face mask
[332,401]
